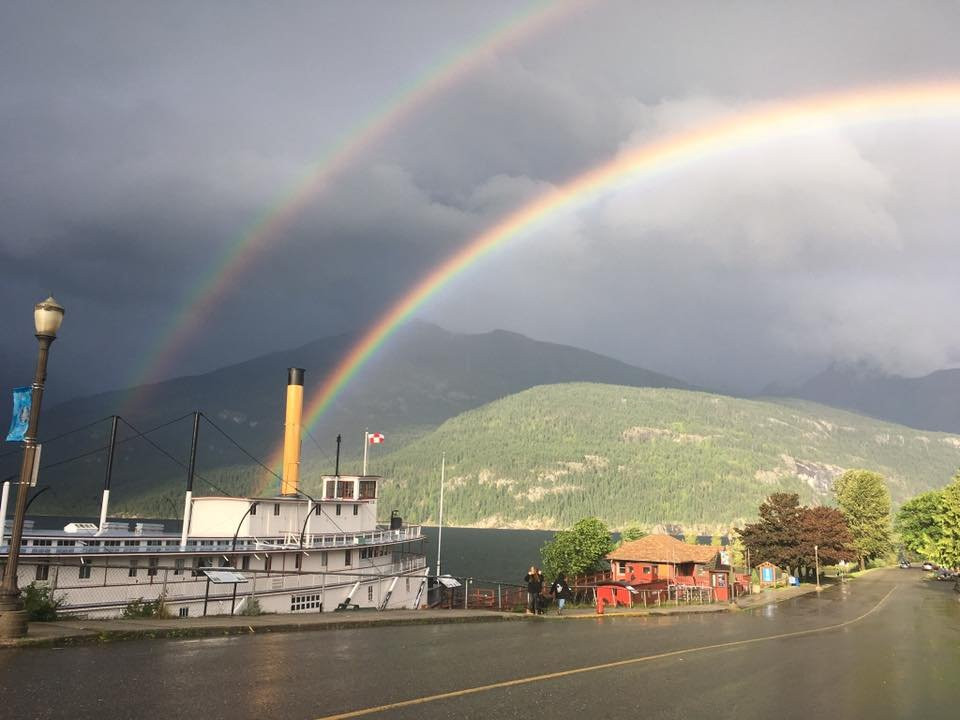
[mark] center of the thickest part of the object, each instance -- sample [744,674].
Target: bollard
[599,605]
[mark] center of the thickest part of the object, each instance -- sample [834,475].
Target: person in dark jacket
[534,582]
[561,592]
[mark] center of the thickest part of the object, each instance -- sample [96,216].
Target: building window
[43,571]
[134,562]
[178,566]
[253,509]
[347,558]
[622,567]
[84,572]
[152,564]
[183,612]
[370,593]
[356,509]
[338,508]
[276,508]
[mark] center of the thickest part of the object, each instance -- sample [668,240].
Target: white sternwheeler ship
[287,554]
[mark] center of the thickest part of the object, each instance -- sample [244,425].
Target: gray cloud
[142,142]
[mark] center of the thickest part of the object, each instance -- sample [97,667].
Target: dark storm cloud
[141,142]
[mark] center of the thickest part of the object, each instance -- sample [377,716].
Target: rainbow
[236,260]
[742,130]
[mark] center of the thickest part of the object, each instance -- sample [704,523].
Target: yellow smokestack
[291,433]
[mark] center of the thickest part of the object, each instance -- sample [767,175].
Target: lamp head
[47,317]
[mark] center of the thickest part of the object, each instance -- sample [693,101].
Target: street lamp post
[47,317]
[233,550]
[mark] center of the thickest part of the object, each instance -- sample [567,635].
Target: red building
[659,561]
[661,558]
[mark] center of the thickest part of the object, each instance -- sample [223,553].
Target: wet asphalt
[884,646]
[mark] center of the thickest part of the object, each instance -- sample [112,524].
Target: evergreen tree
[865,501]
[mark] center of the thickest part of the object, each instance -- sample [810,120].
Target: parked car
[904,564]
[929,566]
[946,574]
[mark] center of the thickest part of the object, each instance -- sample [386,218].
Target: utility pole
[816,560]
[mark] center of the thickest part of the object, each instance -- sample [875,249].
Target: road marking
[592,668]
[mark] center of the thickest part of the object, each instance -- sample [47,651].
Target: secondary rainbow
[762,123]
[226,271]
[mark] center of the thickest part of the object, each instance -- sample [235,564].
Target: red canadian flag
[375,438]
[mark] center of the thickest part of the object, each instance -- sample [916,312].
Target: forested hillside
[550,455]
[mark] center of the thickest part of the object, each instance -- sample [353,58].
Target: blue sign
[22,400]
[766,574]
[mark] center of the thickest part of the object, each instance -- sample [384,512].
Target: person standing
[534,582]
[561,592]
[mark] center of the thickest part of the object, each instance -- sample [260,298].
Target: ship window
[370,593]
[348,558]
[345,489]
[245,562]
[408,584]
[356,509]
[368,489]
[276,508]
[298,561]
[178,566]
[267,563]
[330,488]
[183,612]
[131,543]
[317,509]
[253,509]
[42,571]
[134,562]
[338,508]
[306,602]
[84,573]
[323,559]
[152,564]
[66,543]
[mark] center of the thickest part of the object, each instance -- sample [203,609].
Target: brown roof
[663,549]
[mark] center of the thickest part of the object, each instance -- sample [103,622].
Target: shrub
[40,603]
[146,609]
[251,607]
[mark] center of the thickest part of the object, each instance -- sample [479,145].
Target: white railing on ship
[289,541]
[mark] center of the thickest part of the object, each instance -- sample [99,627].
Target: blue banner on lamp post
[22,400]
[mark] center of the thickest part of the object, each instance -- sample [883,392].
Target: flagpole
[366,441]
[443,467]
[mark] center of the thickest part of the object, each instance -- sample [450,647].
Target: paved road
[884,646]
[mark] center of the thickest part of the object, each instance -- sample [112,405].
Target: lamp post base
[13,618]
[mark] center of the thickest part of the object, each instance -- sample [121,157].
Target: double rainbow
[749,128]
[236,260]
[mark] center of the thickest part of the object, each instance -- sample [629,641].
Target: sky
[141,141]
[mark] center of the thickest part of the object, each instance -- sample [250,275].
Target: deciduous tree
[947,517]
[826,528]
[777,536]
[917,525]
[865,501]
[577,550]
